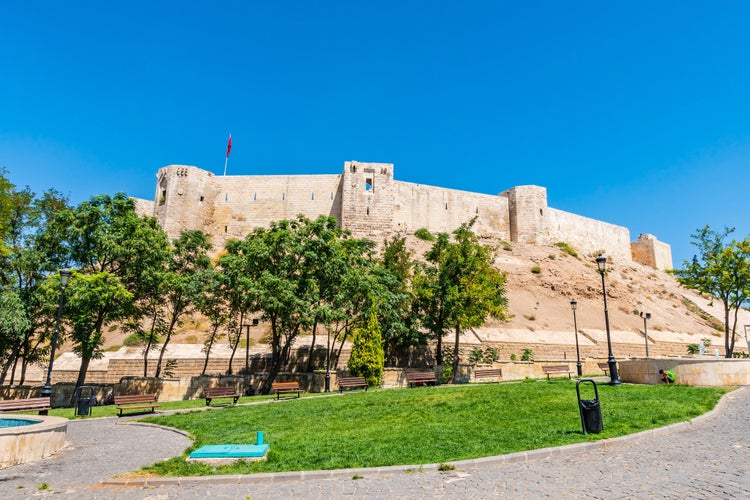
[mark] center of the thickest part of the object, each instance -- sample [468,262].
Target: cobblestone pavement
[706,458]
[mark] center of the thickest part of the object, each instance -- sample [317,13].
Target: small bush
[133,340]
[506,246]
[446,467]
[693,348]
[536,269]
[424,235]
[476,355]
[513,357]
[527,355]
[566,248]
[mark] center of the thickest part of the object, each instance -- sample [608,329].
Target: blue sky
[635,113]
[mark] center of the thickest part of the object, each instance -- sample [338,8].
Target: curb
[509,459]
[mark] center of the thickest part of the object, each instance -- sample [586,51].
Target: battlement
[367,200]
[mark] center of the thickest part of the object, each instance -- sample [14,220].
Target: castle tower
[528,218]
[367,198]
[184,199]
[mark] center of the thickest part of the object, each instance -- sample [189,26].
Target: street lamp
[614,379]
[247,354]
[64,281]
[573,306]
[645,316]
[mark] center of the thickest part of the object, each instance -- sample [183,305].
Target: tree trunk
[164,346]
[310,360]
[455,354]
[208,349]
[81,377]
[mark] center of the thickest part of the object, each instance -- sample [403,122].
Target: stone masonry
[367,200]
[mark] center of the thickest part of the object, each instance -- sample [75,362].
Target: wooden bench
[556,369]
[221,392]
[605,367]
[496,373]
[136,402]
[421,378]
[352,383]
[285,388]
[29,404]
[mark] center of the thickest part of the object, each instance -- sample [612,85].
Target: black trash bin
[84,400]
[590,409]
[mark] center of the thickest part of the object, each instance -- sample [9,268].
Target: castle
[367,200]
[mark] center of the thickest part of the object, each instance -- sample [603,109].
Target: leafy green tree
[113,248]
[396,301]
[722,270]
[13,326]
[33,250]
[212,303]
[367,357]
[188,260]
[240,292]
[459,288]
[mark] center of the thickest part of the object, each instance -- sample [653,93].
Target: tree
[212,303]
[113,248]
[459,288]
[277,268]
[721,270]
[33,250]
[396,302]
[188,259]
[368,358]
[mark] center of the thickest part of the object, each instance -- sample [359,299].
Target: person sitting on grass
[667,376]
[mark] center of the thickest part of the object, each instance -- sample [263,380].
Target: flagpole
[229,148]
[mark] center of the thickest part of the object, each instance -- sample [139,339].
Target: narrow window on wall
[446,206]
[255,196]
[283,196]
[226,196]
[368,185]
[313,196]
[541,212]
[353,169]
[163,197]
[476,211]
[368,210]
[331,195]
[225,228]
[201,197]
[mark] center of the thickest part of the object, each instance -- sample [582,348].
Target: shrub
[536,269]
[527,355]
[367,357]
[693,348]
[133,340]
[513,356]
[566,248]
[476,355]
[491,354]
[423,234]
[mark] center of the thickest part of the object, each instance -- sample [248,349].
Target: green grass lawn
[427,425]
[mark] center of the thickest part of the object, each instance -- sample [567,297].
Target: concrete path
[708,457]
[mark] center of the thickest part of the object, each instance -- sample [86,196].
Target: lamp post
[573,306]
[64,281]
[614,379]
[646,317]
[247,354]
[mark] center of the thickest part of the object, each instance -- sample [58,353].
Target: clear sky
[635,113]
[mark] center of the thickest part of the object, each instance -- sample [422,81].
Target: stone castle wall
[367,200]
[652,252]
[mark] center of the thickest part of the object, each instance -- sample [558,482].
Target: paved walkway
[708,457]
